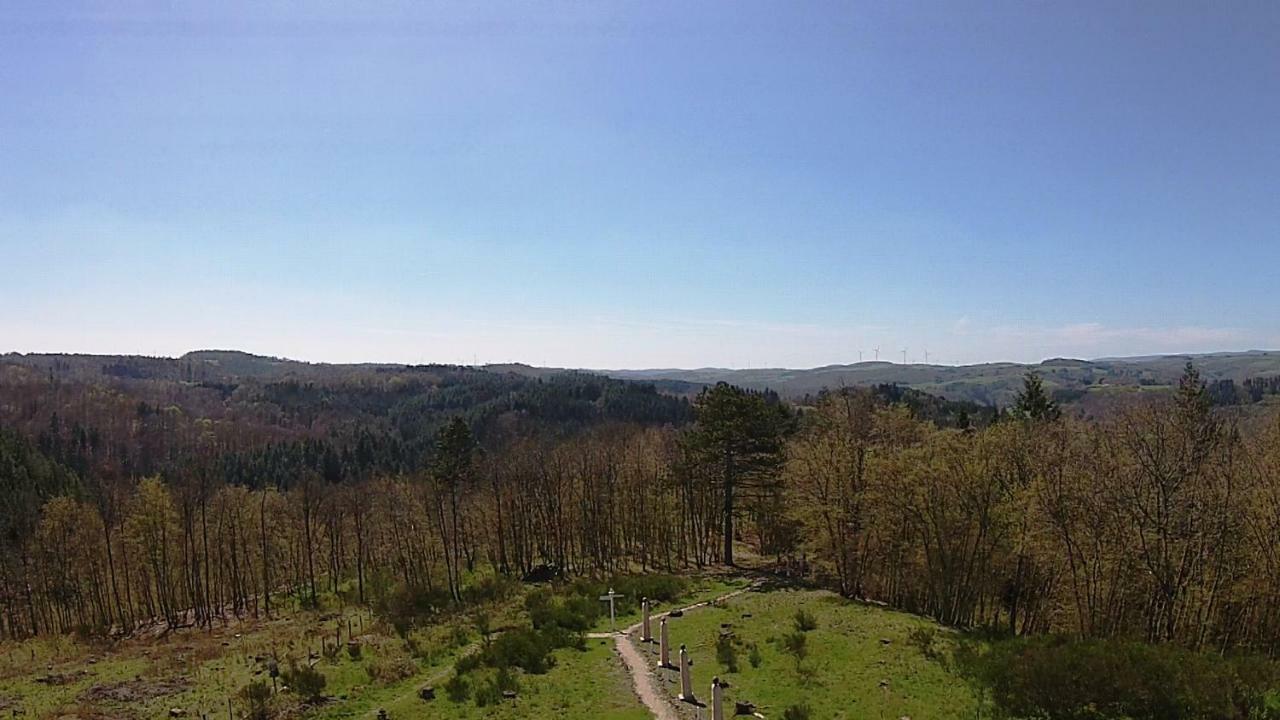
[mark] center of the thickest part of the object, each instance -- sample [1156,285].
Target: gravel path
[643,681]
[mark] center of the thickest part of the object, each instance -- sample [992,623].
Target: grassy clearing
[198,670]
[848,663]
[583,685]
[840,678]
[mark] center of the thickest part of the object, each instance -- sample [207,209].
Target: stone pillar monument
[686,679]
[717,699]
[645,634]
[664,645]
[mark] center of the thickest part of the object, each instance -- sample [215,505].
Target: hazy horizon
[618,185]
[478,362]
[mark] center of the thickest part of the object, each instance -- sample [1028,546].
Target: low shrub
[726,655]
[491,691]
[925,639]
[796,644]
[528,649]
[797,712]
[490,590]
[805,621]
[306,682]
[390,668]
[467,663]
[457,689]
[255,698]
[1058,678]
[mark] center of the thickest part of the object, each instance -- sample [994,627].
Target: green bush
[390,668]
[461,638]
[457,689]
[805,621]
[256,699]
[1057,678]
[797,712]
[726,655]
[490,590]
[797,645]
[484,625]
[491,691]
[753,655]
[527,649]
[468,662]
[306,682]
[925,639]
[403,608]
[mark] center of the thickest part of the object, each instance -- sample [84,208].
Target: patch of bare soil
[133,690]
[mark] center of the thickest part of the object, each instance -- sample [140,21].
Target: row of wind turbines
[904,356]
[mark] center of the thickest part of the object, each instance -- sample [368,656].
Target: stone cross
[645,634]
[664,645]
[686,680]
[717,699]
[613,618]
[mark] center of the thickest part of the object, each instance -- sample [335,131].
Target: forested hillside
[1086,381]
[147,490]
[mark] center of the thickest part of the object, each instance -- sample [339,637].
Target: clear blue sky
[643,184]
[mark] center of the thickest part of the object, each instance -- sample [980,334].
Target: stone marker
[686,680]
[664,646]
[717,699]
[645,635]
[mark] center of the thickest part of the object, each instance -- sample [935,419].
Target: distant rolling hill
[990,383]
[1084,381]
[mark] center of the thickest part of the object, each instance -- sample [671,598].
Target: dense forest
[140,492]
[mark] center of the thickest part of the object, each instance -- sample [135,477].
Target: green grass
[847,662]
[841,678]
[583,685]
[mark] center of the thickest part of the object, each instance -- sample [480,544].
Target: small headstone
[717,699]
[176,712]
[885,641]
[686,679]
[645,635]
[664,645]
[427,693]
[742,707]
